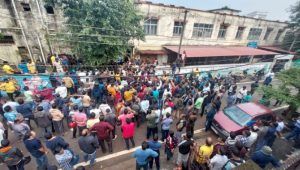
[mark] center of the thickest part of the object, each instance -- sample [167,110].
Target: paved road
[121,158]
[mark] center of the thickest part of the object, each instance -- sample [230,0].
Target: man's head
[48,135]
[40,108]
[101,118]
[144,145]
[246,133]
[168,115]
[244,87]
[208,141]
[84,132]
[7,108]
[5,143]
[21,101]
[232,135]
[92,115]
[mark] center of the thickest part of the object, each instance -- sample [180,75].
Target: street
[121,157]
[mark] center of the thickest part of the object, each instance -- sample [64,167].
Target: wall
[167,15]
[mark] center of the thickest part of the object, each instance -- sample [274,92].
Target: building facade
[28,28]
[163,25]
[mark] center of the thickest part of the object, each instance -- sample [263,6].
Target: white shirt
[157,113]
[144,105]
[13,105]
[280,126]
[165,111]
[82,76]
[206,89]
[271,74]
[251,139]
[103,108]
[241,93]
[96,111]
[218,161]
[62,91]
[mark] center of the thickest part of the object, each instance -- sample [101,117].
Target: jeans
[90,157]
[19,166]
[169,153]
[138,167]
[156,159]
[127,142]
[42,162]
[294,134]
[152,131]
[164,134]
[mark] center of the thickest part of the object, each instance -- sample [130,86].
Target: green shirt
[198,103]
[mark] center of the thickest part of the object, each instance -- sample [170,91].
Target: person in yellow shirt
[69,84]
[118,76]
[10,88]
[128,95]
[204,152]
[53,59]
[31,67]
[111,89]
[7,68]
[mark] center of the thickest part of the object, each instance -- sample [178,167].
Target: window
[268,32]
[278,35]
[49,9]
[7,39]
[26,6]
[178,26]
[150,26]
[237,115]
[239,33]
[202,30]
[254,34]
[222,31]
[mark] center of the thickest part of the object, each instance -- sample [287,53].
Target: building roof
[224,8]
[276,49]
[192,9]
[152,52]
[217,51]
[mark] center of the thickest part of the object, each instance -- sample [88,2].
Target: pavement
[121,157]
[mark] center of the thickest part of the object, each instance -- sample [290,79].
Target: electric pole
[181,36]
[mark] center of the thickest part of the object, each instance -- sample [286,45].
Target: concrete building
[163,26]
[28,28]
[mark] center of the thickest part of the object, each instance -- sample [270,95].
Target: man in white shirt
[95,110]
[166,109]
[144,105]
[62,90]
[218,161]
[251,139]
[103,107]
[242,92]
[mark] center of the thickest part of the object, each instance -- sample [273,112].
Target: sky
[276,9]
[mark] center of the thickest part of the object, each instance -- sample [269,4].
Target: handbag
[72,125]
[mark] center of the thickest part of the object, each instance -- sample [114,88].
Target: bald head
[208,141]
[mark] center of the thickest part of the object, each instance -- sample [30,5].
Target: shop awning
[218,51]
[152,52]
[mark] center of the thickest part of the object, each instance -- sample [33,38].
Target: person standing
[92,120]
[23,67]
[7,69]
[166,124]
[210,116]
[62,90]
[190,123]
[57,119]
[142,155]
[155,146]
[80,119]
[103,130]
[184,149]
[65,158]
[231,98]
[31,67]
[241,94]
[89,145]
[42,118]
[26,109]
[203,153]
[11,156]
[69,84]
[111,118]
[198,104]
[151,123]
[170,145]
[86,103]
[219,160]
[128,133]
[36,149]
[53,141]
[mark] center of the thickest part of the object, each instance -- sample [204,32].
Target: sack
[72,125]
[27,159]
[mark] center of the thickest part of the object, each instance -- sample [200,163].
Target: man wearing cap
[264,156]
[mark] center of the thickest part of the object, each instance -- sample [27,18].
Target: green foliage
[288,90]
[294,33]
[103,28]
[1,36]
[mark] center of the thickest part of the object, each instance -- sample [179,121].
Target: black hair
[80,109]
[48,135]
[40,108]
[57,149]
[7,108]
[21,101]
[92,115]
[144,145]
[5,143]
[232,135]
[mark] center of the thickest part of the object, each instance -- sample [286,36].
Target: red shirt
[128,130]
[102,129]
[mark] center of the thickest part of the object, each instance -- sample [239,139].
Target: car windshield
[237,115]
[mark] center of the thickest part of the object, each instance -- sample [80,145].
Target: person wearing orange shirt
[111,89]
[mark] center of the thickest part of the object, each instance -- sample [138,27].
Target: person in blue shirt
[9,114]
[155,146]
[26,109]
[210,116]
[23,67]
[155,94]
[264,156]
[166,123]
[142,155]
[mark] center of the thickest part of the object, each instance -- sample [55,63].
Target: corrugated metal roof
[217,51]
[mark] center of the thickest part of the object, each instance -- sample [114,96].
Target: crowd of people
[94,104]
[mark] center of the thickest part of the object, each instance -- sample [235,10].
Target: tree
[292,39]
[99,30]
[288,90]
